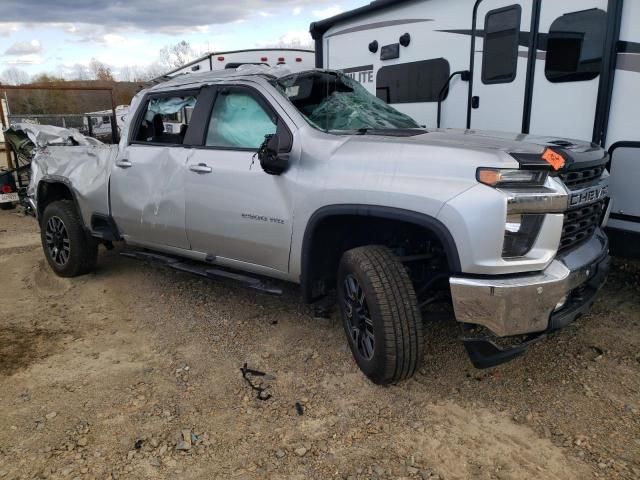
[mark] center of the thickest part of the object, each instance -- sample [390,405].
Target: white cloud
[297,11]
[265,14]
[25,60]
[24,48]
[7,28]
[327,12]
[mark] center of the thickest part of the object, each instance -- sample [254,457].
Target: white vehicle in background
[296,60]
[569,69]
[101,121]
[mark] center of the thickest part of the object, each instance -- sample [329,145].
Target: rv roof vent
[405,40]
[373,46]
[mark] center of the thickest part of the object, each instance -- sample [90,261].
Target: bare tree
[14,76]
[79,72]
[174,56]
[100,71]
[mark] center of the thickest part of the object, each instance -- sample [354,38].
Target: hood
[526,150]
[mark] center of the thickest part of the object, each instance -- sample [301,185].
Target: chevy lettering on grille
[588,195]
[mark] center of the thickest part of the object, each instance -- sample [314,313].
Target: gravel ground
[134,372]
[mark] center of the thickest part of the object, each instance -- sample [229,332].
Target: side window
[166,119]
[413,81]
[239,121]
[501,35]
[574,46]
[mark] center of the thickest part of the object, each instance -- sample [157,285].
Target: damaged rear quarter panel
[85,169]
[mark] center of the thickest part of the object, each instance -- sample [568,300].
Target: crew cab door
[147,184]
[235,211]
[500,64]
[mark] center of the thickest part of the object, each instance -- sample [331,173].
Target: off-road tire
[394,313]
[83,249]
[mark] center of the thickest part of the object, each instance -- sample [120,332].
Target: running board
[203,270]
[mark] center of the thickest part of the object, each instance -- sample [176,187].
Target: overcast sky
[53,35]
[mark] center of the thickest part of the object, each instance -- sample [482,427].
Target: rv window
[574,46]
[165,119]
[106,119]
[412,82]
[501,34]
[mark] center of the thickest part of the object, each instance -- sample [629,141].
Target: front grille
[580,223]
[576,179]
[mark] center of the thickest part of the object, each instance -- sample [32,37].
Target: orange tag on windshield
[553,158]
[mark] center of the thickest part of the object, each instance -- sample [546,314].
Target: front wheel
[67,247]
[380,313]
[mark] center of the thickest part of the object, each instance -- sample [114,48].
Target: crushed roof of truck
[203,78]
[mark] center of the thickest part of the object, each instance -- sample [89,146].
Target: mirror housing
[274,159]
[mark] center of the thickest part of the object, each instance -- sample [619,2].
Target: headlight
[520,233]
[496,177]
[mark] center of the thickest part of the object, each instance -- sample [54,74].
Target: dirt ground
[134,372]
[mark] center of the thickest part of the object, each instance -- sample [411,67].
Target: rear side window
[239,121]
[501,35]
[575,45]
[166,119]
[412,82]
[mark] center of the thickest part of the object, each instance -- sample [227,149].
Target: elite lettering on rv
[362,74]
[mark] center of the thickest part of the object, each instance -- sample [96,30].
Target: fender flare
[53,179]
[426,221]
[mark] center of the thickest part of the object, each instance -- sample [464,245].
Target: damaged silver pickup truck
[308,178]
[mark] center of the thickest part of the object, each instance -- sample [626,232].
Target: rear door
[147,183]
[500,64]
[570,51]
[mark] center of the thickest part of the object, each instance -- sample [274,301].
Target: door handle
[124,163]
[200,168]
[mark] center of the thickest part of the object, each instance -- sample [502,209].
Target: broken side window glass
[333,102]
[166,120]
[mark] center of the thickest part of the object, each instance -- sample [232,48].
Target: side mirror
[272,160]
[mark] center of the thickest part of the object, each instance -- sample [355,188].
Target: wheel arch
[372,212]
[52,188]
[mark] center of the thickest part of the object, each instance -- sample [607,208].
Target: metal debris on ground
[262,391]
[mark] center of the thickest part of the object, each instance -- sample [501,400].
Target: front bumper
[538,302]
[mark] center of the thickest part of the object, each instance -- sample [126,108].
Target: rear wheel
[68,249]
[380,313]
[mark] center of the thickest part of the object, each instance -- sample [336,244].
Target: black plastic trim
[607,75]
[472,61]
[531,66]
[112,234]
[53,179]
[621,144]
[391,213]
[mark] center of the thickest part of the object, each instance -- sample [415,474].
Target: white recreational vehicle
[566,68]
[296,59]
[101,120]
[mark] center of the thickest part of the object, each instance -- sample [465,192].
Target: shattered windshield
[333,102]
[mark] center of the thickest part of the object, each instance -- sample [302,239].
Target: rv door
[568,69]
[500,64]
